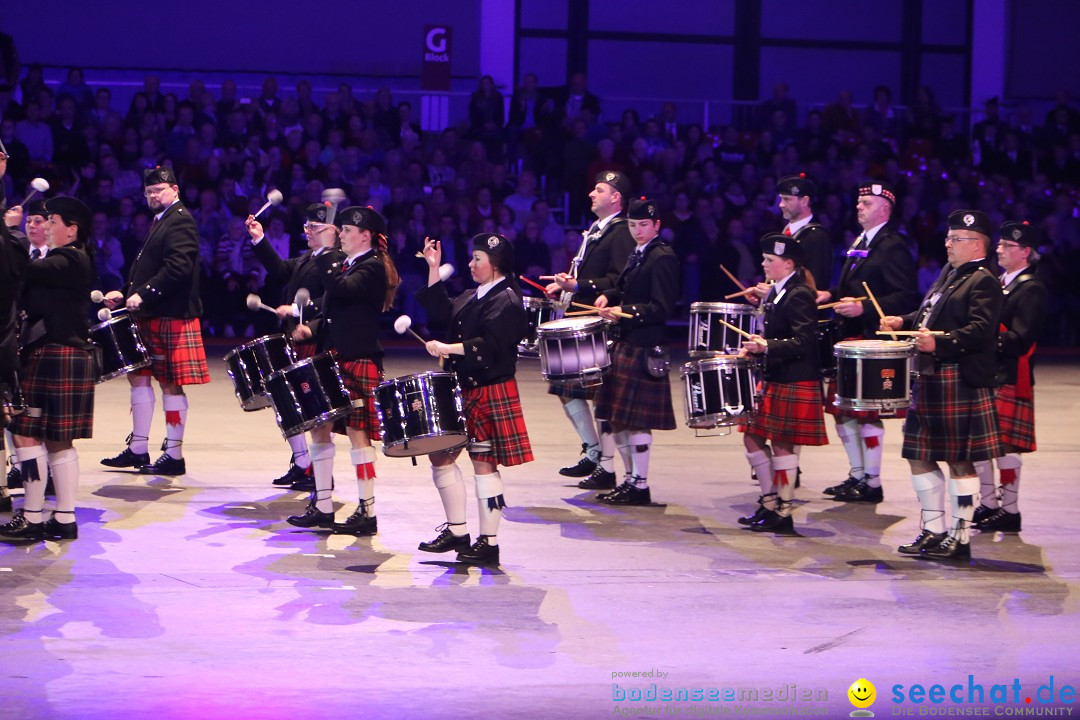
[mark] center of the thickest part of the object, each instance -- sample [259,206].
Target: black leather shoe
[626,494]
[19,530]
[600,479]
[982,513]
[774,522]
[306,483]
[165,465]
[5,501]
[759,511]
[1001,521]
[14,478]
[446,541]
[60,531]
[294,474]
[359,524]
[859,492]
[312,517]
[950,549]
[480,553]
[582,468]
[833,489]
[926,539]
[127,459]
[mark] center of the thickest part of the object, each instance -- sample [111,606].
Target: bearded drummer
[790,414]
[483,329]
[359,282]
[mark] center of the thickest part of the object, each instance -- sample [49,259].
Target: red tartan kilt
[829,394]
[493,414]
[950,421]
[1016,417]
[632,398]
[58,384]
[305,350]
[790,413]
[361,377]
[176,350]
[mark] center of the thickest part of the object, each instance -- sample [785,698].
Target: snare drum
[121,349]
[248,364]
[574,351]
[874,375]
[539,311]
[828,334]
[720,391]
[307,394]
[420,414]
[709,337]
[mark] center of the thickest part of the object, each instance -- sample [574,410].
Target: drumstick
[254,302]
[741,293]
[547,277]
[593,307]
[876,306]
[536,285]
[826,306]
[404,324]
[910,333]
[733,278]
[273,197]
[579,312]
[736,328]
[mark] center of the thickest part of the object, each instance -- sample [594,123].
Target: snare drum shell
[720,391]
[873,374]
[708,337]
[420,414]
[122,349]
[307,394]
[574,351]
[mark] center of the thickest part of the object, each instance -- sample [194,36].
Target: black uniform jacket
[817,253]
[347,317]
[649,293]
[889,270]
[489,329]
[165,273]
[292,274]
[56,299]
[1022,314]
[791,329]
[968,310]
[604,259]
[13,260]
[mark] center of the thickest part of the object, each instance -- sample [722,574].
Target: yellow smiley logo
[862,693]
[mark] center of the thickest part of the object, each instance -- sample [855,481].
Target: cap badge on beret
[876,189]
[610,176]
[357,217]
[492,241]
[1016,233]
[320,214]
[794,190]
[969,219]
[779,247]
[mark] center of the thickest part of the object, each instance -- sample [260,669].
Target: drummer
[359,283]
[636,399]
[790,414]
[483,329]
[293,275]
[13,259]
[57,375]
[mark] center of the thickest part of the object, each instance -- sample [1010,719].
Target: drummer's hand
[892,322]
[134,302]
[849,307]
[113,299]
[600,302]
[436,348]
[302,333]
[13,217]
[564,281]
[753,299]
[925,342]
[432,252]
[283,311]
[823,297]
[254,228]
[755,344]
[762,289]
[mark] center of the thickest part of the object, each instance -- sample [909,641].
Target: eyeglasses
[956,239]
[151,193]
[1006,244]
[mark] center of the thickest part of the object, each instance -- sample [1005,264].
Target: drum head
[571,325]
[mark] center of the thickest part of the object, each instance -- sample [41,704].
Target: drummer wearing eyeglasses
[952,417]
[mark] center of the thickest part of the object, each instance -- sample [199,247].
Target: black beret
[316,212]
[797,185]
[783,246]
[974,220]
[879,188]
[35,207]
[362,217]
[498,248]
[158,175]
[1021,233]
[72,211]
[618,181]
[643,209]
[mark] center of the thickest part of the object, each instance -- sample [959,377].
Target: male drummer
[13,259]
[293,275]
[163,290]
[797,193]
[605,246]
[881,259]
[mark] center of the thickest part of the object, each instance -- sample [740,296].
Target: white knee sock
[451,487]
[873,436]
[607,448]
[930,488]
[963,494]
[985,470]
[35,472]
[581,418]
[300,456]
[489,499]
[1009,468]
[761,463]
[65,472]
[848,431]
[364,460]
[784,467]
[640,444]
[176,407]
[142,414]
[622,442]
[322,462]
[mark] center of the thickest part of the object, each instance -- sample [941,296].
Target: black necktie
[635,259]
[35,254]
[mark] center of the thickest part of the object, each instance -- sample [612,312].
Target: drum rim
[426,373]
[858,349]
[397,443]
[531,300]
[306,361]
[744,308]
[307,425]
[105,323]
[125,370]
[579,324]
[721,361]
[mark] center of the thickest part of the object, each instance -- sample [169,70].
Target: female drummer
[636,399]
[57,373]
[359,282]
[484,327]
[790,414]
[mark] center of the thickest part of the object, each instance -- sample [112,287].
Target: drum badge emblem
[417,406]
[305,387]
[887,376]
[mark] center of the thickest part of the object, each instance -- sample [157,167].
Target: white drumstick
[446,271]
[96,296]
[39,185]
[302,299]
[254,302]
[404,325]
[273,197]
[104,314]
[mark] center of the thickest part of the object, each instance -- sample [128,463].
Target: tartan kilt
[949,420]
[58,383]
[573,392]
[790,413]
[1016,418]
[829,394]
[361,377]
[176,350]
[632,398]
[493,413]
[304,350]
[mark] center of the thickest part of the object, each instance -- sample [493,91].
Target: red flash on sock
[781,477]
[871,441]
[1008,476]
[172,417]
[365,471]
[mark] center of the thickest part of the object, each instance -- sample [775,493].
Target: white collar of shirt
[796,226]
[482,290]
[779,287]
[42,251]
[353,258]
[1007,278]
[158,216]
[872,232]
[603,222]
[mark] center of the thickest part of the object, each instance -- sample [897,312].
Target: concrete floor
[192,598]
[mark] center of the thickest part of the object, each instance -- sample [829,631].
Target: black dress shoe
[294,474]
[5,501]
[359,524]
[833,489]
[20,530]
[860,492]
[753,518]
[446,541]
[982,513]
[1001,521]
[127,459]
[582,468]
[480,553]
[926,539]
[312,517]
[626,494]
[950,549]
[306,482]
[61,531]
[14,478]
[772,521]
[600,479]
[165,465]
